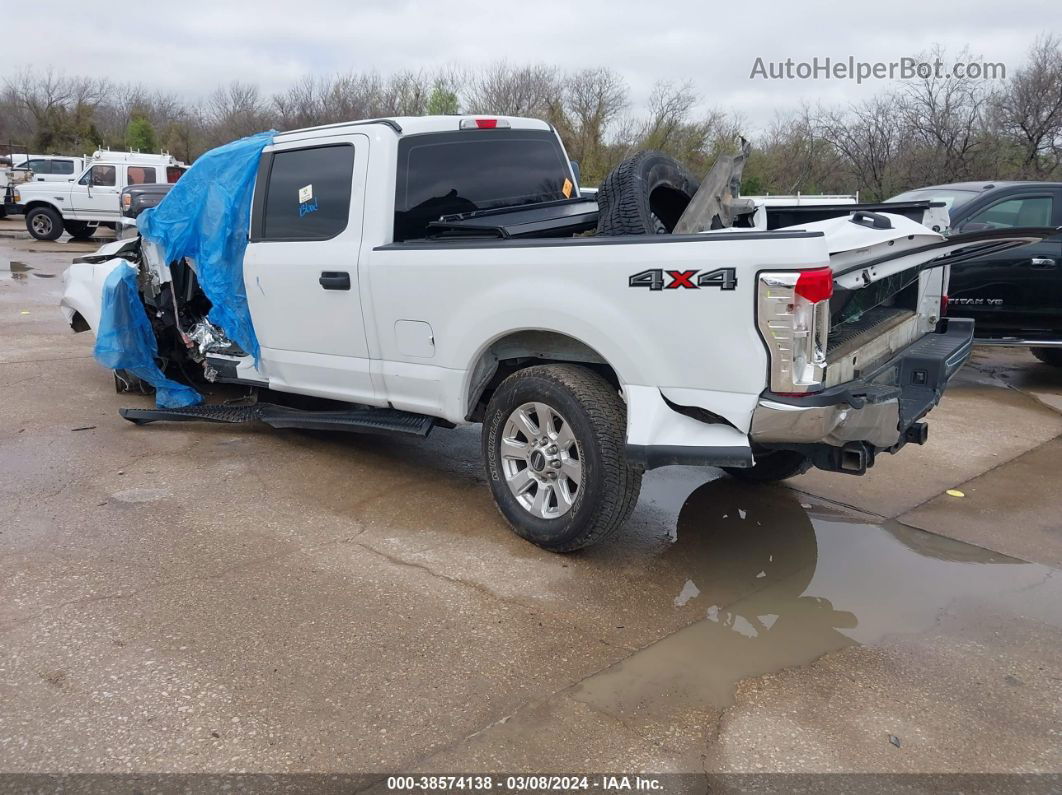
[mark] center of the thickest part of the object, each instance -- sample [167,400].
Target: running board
[367,420]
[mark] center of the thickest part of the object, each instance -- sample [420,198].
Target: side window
[173,173]
[140,175]
[62,166]
[100,176]
[308,194]
[38,166]
[1020,211]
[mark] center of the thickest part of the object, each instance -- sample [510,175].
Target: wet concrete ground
[207,598]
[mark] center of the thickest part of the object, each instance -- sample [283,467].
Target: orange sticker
[566,188]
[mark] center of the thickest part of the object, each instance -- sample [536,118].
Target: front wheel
[771,467]
[553,445]
[44,223]
[1052,356]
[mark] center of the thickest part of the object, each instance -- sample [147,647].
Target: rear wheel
[644,195]
[1052,356]
[44,223]
[770,467]
[553,445]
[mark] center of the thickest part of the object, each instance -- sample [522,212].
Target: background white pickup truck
[587,358]
[89,198]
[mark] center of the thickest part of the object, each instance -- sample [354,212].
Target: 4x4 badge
[723,278]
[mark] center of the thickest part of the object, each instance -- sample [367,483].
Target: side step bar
[367,420]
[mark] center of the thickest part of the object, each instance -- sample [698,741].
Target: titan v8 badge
[659,279]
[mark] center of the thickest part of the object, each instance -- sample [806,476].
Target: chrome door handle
[1043,262]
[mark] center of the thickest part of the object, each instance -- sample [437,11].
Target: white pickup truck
[89,198]
[442,279]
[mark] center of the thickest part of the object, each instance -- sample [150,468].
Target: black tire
[44,223]
[609,486]
[770,467]
[1051,356]
[79,230]
[644,195]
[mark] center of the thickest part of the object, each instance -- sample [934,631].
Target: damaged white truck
[414,273]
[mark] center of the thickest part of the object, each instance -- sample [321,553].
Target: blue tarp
[125,340]
[205,217]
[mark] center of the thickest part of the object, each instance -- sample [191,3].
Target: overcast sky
[191,46]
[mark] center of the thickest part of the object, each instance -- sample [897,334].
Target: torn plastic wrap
[126,341]
[205,217]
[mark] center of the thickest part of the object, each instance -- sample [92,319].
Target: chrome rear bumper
[877,409]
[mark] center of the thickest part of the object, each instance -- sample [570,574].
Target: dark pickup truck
[1015,294]
[137,198]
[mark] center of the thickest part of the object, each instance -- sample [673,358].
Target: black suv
[1015,295]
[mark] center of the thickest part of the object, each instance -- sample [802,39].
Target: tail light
[127,201]
[793,315]
[943,306]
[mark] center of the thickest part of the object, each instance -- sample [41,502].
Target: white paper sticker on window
[305,194]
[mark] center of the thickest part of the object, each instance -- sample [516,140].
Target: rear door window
[448,173]
[308,193]
[62,166]
[140,175]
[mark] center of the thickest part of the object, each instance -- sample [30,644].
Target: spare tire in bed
[644,195]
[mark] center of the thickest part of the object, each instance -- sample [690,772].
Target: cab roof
[416,125]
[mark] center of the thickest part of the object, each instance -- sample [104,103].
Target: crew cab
[81,205]
[1015,295]
[414,273]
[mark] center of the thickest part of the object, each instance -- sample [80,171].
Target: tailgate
[890,280]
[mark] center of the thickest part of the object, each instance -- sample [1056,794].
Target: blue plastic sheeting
[125,341]
[205,216]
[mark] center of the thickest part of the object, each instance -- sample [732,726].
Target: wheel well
[78,323]
[525,349]
[35,204]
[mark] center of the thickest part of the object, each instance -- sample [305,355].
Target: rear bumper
[877,411]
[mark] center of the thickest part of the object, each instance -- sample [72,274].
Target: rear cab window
[448,173]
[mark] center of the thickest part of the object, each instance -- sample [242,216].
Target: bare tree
[517,91]
[1029,109]
[867,137]
[235,111]
[592,101]
[945,115]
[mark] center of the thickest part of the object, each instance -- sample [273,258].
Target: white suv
[81,206]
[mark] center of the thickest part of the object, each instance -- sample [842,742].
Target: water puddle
[14,270]
[778,583]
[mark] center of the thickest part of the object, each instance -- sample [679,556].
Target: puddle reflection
[14,270]
[778,584]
